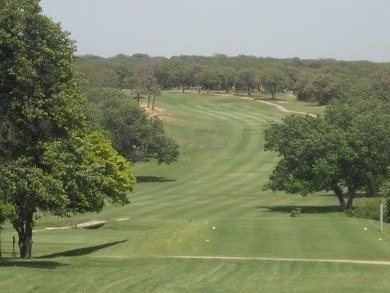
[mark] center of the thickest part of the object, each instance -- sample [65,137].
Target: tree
[247,78]
[228,78]
[346,150]
[150,87]
[135,135]
[208,79]
[47,161]
[122,73]
[319,87]
[274,80]
[380,83]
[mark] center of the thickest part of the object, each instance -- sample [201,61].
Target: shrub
[295,212]
[368,208]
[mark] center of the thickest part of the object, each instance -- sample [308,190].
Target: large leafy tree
[136,135]
[319,87]
[246,77]
[345,151]
[47,162]
[208,79]
[148,85]
[274,80]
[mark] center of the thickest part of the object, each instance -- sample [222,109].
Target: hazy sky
[340,29]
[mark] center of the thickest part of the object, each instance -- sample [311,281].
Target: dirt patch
[159,112]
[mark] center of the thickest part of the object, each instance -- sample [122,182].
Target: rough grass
[216,183]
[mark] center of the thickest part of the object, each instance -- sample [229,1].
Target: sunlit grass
[217,182]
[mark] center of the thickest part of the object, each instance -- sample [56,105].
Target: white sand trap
[91,224]
[122,219]
[57,228]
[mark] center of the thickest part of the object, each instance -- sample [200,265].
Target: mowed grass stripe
[244,156]
[187,275]
[216,183]
[210,163]
[240,161]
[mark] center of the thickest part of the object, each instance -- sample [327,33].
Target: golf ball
[365,228]
[214,228]
[207,241]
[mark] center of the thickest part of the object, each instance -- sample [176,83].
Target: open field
[209,204]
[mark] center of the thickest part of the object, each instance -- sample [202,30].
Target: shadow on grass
[145,179]
[34,264]
[304,209]
[81,251]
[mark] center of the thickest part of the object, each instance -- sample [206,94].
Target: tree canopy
[345,151]
[318,80]
[135,134]
[48,162]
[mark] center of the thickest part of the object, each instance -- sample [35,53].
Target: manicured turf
[216,183]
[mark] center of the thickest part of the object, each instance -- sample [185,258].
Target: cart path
[283,109]
[239,258]
[279,107]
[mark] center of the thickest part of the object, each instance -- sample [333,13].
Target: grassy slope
[217,182]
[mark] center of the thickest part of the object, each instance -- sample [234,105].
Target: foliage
[318,80]
[208,78]
[148,85]
[136,135]
[47,163]
[347,149]
[92,172]
[319,87]
[368,208]
[274,80]
[247,78]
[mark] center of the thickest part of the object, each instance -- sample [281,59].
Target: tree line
[319,80]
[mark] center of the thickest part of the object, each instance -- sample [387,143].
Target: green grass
[216,183]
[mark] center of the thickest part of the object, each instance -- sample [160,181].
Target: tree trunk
[148,100]
[154,100]
[339,193]
[24,226]
[342,201]
[351,196]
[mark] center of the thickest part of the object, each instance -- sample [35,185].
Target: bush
[295,212]
[368,208]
